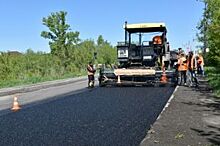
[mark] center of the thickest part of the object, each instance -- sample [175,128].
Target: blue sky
[21,21]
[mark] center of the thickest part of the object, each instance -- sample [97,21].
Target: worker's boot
[91,84]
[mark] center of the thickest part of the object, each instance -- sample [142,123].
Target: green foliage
[68,58]
[213,31]
[32,67]
[106,53]
[60,36]
[214,78]
[210,27]
[100,40]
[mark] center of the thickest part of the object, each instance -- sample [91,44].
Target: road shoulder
[39,86]
[192,118]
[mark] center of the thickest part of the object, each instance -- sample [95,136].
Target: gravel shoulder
[37,93]
[191,119]
[39,86]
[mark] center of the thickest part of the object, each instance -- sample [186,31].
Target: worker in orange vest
[91,75]
[182,68]
[191,64]
[180,50]
[200,63]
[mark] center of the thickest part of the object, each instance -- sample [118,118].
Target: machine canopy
[145,27]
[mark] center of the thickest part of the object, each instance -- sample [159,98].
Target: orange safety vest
[191,63]
[182,62]
[90,70]
[200,60]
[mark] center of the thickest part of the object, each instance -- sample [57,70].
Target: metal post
[139,38]
[126,34]
[119,80]
[129,41]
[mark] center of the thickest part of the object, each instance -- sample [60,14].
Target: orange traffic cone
[15,106]
[164,76]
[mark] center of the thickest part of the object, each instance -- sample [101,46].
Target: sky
[21,20]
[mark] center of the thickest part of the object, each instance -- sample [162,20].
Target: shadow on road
[207,106]
[212,134]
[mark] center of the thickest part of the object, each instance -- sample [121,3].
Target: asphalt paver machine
[141,60]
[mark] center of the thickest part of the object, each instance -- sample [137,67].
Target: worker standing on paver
[91,75]
[182,68]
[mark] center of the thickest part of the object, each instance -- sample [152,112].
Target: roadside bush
[214,78]
[32,67]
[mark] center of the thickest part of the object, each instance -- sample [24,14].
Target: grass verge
[213,74]
[37,79]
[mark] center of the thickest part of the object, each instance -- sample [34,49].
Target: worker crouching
[91,75]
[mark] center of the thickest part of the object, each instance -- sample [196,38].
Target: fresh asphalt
[98,116]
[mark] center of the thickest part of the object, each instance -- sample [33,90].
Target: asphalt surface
[98,116]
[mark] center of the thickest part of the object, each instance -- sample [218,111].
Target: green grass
[213,74]
[37,79]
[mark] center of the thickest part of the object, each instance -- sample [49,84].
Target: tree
[29,51]
[100,40]
[106,54]
[213,31]
[60,36]
[202,36]
[209,27]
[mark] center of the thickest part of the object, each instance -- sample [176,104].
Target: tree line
[209,28]
[68,57]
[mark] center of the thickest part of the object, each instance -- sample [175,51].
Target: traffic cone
[164,76]
[15,106]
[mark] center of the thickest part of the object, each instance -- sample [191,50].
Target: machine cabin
[144,53]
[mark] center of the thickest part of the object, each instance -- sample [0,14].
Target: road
[74,115]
